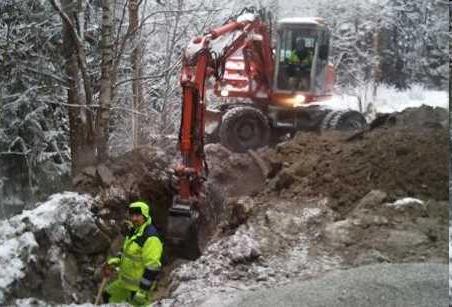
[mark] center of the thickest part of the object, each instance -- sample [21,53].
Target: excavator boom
[201,60]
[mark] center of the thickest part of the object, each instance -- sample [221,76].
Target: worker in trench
[139,263]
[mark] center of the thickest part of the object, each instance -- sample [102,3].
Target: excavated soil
[400,161]
[406,157]
[313,203]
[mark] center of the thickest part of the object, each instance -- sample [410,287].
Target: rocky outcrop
[51,252]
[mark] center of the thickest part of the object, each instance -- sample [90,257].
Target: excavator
[262,91]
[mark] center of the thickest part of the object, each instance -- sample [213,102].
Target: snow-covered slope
[39,253]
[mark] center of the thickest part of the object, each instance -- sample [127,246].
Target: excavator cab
[301,59]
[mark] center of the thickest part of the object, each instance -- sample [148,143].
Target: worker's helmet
[141,208]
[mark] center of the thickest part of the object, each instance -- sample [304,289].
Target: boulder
[371,201]
[41,250]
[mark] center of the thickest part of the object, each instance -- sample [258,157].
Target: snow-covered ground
[389,99]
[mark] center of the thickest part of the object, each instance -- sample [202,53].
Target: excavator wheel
[344,120]
[325,123]
[244,128]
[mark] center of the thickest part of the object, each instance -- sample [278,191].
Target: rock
[87,238]
[372,200]
[410,206]
[284,180]
[106,175]
[340,232]
[371,257]
[241,210]
[402,239]
[246,249]
[371,219]
[78,180]
[38,244]
[51,286]
[283,223]
[218,150]
[275,166]
[89,171]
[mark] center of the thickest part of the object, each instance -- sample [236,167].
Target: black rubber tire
[326,121]
[347,120]
[244,128]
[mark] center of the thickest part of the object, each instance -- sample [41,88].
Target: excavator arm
[203,58]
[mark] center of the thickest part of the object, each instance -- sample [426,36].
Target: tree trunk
[170,46]
[105,95]
[137,91]
[80,124]
[377,73]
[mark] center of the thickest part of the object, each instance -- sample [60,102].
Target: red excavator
[260,92]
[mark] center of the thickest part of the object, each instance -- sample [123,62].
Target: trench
[212,215]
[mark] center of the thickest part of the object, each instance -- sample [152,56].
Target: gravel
[414,284]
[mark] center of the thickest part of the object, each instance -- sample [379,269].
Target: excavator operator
[299,69]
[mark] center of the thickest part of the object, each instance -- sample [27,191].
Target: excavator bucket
[182,231]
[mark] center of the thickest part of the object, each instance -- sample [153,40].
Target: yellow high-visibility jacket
[140,261]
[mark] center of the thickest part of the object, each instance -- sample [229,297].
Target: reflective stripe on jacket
[142,251]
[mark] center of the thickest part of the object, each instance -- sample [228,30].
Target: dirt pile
[407,157]
[399,161]
[325,203]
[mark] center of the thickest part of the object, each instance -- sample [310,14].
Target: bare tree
[106,80]
[137,71]
[81,117]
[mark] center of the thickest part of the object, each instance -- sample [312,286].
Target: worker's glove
[109,268]
[114,261]
[107,271]
[140,298]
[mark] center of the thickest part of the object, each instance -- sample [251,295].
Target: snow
[52,212]
[407,201]
[389,99]
[10,260]
[246,17]
[18,242]
[219,44]
[33,302]
[302,20]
